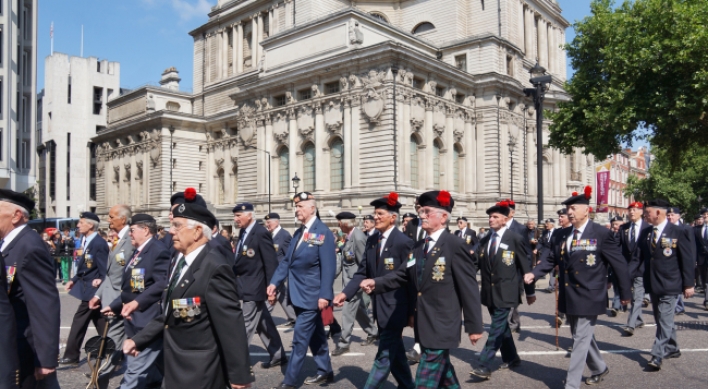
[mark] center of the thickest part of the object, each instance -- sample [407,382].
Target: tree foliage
[641,72]
[681,183]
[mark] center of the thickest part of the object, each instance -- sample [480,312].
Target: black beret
[368,217]
[303,196]
[90,216]
[141,217]
[389,203]
[703,210]
[345,216]
[437,199]
[658,203]
[189,196]
[409,214]
[699,216]
[195,212]
[461,218]
[243,207]
[272,215]
[550,221]
[562,211]
[502,208]
[675,210]
[17,198]
[617,219]
[582,198]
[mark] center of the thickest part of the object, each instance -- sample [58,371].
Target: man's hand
[474,338]
[322,304]
[530,299]
[69,285]
[339,300]
[271,290]
[107,311]
[237,386]
[528,278]
[688,293]
[96,283]
[128,309]
[129,348]
[94,303]
[41,372]
[368,285]
[411,321]
[625,302]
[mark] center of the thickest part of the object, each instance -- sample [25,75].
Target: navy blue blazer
[167,240]
[35,300]
[8,342]
[630,250]
[93,265]
[391,309]
[309,268]
[222,245]
[522,231]
[502,278]
[154,259]
[255,264]
[701,246]
[281,242]
[583,272]
[668,274]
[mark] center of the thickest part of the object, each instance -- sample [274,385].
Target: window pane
[414,163]
[336,166]
[284,171]
[309,166]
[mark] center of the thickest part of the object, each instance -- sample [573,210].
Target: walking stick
[101,345]
[556,292]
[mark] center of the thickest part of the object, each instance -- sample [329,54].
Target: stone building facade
[358,98]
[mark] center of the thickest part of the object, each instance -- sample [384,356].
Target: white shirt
[276,231]
[637,228]
[660,229]
[11,235]
[462,232]
[508,222]
[188,259]
[308,225]
[122,232]
[569,241]
[500,233]
[384,237]
[434,238]
[244,233]
[550,234]
[703,230]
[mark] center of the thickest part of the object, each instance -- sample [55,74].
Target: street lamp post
[267,153]
[540,81]
[512,144]
[296,183]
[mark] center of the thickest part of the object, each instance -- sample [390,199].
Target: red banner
[603,189]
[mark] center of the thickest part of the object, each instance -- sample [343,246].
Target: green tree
[641,72]
[681,183]
[32,194]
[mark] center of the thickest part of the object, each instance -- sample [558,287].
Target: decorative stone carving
[116,173]
[234,160]
[155,152]
[305,121]
[333,118]
[372,104]
[138,170]
[439,118]
[315,91]
[219,163]
[280,128]
[289,98]
[343,83]
[417,113]
[127,167]
[150,104]
[459,125]
[453,94]
[246,123]
[356,37]
[431,86]
[373,78]
[353,81]
[265,104]
[100,165]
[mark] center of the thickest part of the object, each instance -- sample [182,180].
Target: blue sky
[149,36]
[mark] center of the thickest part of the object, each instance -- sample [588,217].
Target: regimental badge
[590,260]
[10,271]
[507,257]
[468,240]
[388,263]
[439,269]
[251,253]
[181,208]
[136,261]
[349,256]
[276,246]
[88,260]
[667,252]
[673,243]
[120,258]
[411,260]
[137,280]
[186,309]
[245,248]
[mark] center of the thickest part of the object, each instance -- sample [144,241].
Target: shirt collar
[11,235]
[89,238]
[582,228]
[250,227]
[310,222]
[122,232]
[276,230]
[661,226]
[387,233]
[436,235]
[508,222]
[142,246]
[500,232]
[189,258]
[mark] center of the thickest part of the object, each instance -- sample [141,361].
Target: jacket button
[577,285]
[576,272]
[566,284]
[420,294]
[166,326]
[492,284]
[566,272]
[492,273]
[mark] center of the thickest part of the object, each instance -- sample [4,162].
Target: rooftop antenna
[82,41]
[51,38]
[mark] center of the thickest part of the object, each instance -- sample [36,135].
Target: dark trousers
[390,358]
[499,338]
[436,371]
[82,317]
[701,274]
[308,331]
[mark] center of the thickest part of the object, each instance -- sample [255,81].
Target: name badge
[503,246]
[137,280]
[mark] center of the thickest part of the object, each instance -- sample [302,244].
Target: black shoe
[597,378]
[412,356]
[705,306]
[654,364]
[481,372]
[673,355]
[340,351]
[274,363]
[629,331]
[68,361]
[283,386]
[516,330]
[369,340]
[559,321]
[645,303]
[320,379]
[639,326]
[547,290]
[612,313]
[510,365]
[289,324]
[679,313]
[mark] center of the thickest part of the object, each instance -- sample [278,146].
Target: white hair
[206,231]
[93,223]
[349,223]
[124,211]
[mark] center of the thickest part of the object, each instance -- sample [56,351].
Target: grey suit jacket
[353,249]
[110,287]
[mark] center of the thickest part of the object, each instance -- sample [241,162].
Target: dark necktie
[654,235]
[631,233]
[422,262]
[175,276]
[493,246]
[576,237]
[135,255]
[705,233]
[378,250]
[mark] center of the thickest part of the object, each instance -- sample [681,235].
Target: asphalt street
[543,365]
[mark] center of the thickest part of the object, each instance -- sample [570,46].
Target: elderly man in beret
[30,329]
[701,239]
[90,273]
[189,196]
[629,234]
[202,325]
[281,243]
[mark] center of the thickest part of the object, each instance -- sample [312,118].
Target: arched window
[222,188]
[456,168]
[336,165]
[423,27]
[414,163]
[436,165]
[379,16]
[284,170]
[309,166]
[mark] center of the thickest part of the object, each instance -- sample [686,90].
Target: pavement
[543,364]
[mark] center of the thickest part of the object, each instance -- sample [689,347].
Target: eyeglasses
[132,230]
[428,211]
[176,226]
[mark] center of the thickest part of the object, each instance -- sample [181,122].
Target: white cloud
[189,9]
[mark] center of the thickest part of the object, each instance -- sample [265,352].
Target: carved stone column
[543,42]
[224,53]
[449,157]
[428,138]
[348,143]
[268,146]
[405,131]
[293,145]
[356,136]
[254,41]
[321,173]
[481,171]
[556,172]
[529,35]
[288,14]
[259,49]
[238,47]
[470,170]
[207,62]
[261,164]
